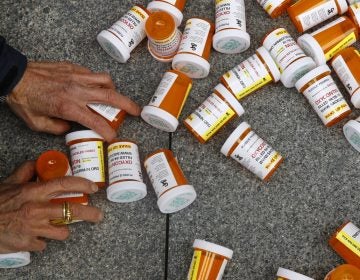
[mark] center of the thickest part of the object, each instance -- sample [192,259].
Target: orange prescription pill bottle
[286,274]
[326,42]
[306,14]
[252,152]
[171,187]
[346,65]
[352,133]
[54,164]
[209,261]
[168,101]
[112,115]
[290,58]
[251,74]
[275,8]
[173,7]
[87,155]
[122,38]
[346,242]
[230,33]
[323,95]
[216,111]
[193,54]
[354,13]
[14,260]
[344,272]
[164,37]
[125,176]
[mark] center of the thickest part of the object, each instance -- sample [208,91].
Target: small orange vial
[324,43]
[171,187]
[346,242]
[112,115]
[193,54]
[173,7]
[54,164]
[286,274]
[164,37]
[354,13]
[344,272]
[306,14]
[275,8]
[168,101]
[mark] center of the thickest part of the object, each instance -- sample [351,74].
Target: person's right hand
[26,210]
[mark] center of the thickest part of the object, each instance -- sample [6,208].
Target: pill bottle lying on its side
[113,116]
[352,133]
[344,272]
[173,7]
[286,274]
[275,8]
[14,260]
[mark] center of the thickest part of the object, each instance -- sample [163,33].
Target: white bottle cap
[231,41]
[82,134]
[355,99]
[234,136]
[296,70]
[220,88]
[113,46]
[352,133]
[275,72]
[343,6]
[192,65]
[14,260]
[311,75]
[176,199]
[159,118]
[129,191]
[214,248]
[312,48]
[166,7]
[291,275]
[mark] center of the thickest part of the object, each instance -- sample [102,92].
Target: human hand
[50,94]
[25,209]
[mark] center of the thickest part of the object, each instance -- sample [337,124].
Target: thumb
[23,174]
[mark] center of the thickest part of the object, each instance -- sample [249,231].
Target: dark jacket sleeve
[12,67]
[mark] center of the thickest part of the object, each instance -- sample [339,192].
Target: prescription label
[345,75]
[162,90]
[107,111]
[230,14]
[270,5]
[166,48]
[346,42]
[356,10]
[194,267]
[350,237]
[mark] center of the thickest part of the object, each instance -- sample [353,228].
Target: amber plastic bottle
[173,7]
[112,115]
[344,272]
[275,8]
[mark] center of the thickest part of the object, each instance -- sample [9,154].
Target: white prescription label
[130,29]
[168,47]
[356,10]
[345,75]
[87,160]
[172,2]
[160,173]
[350,237]
[256,155]
[124,162]
[107,111]
[162,90]
[270,5]
[194,37]
[326,99]
[230,14]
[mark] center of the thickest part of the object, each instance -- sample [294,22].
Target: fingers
[94,80]
[23,174]
[63,66]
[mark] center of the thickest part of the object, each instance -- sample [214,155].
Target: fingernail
[94,187]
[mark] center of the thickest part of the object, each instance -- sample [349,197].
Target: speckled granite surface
[286,222]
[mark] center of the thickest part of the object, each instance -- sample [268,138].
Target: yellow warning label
[349,242]
[184,100]
[194,267]
[100,150]
[347,41]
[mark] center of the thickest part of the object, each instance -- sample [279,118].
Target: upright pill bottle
[14,260]
[346,242]
[171,187]
[251,74]
[307,14]
[87,155]
[193,54]
[163,36]
[346,65]
[352,133]
[286,274]
[290,58]
[122,38]
[216,111]
[113,116]
[209,261]
[326,42]
[173,7]
[52,165]
[323,95]
[125,176]
[230,27]
[166,105]
[275,8]
[252,152]
[354,13]
[344,272]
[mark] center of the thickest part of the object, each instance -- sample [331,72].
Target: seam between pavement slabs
[167,230]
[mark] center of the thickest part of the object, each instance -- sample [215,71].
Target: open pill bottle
[193,54]
[209,261]
[344,272]
[171,187]
[352,133]
[323,95]
[252,152]
[275,8]
[173,7]
[87,155]
[230,27]
[290,58]
[326,42]
[113,116]
[251,74]
[123,37]
[125,176]
[166,105]
[286,274]
[215,112]
[14,260]
[307,14]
